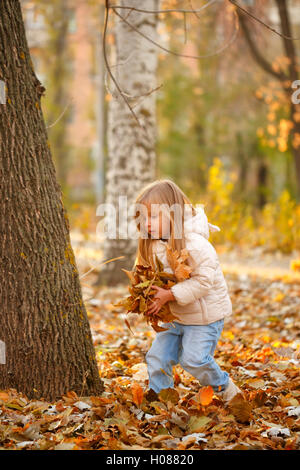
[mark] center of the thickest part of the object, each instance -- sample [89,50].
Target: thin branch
[288,45]
[61,115]
[123,94]
[107,6]
[147,94]
[256,53]
[261,22]
[193,9]
[176,53]
[97,266]
[178,10]
[132,97]
[185,28]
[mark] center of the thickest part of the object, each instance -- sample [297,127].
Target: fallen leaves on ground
[259,348]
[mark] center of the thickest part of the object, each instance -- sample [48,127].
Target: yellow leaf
[272,129]
[4,396]
[295,265]
[227,334]
[198,424]
[279,297]
[169,394]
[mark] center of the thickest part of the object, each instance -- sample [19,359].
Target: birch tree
[131,150]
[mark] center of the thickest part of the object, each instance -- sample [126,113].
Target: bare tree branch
[288,45]
[60,116]
[185,28]
[178,10]
[114,7]
[193,9]
[107,6]
[256,53]
[176,53]
[132,97]
[261,22]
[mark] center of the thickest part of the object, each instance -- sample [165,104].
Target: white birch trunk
[131,153]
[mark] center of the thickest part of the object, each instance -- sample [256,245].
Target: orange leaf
[128,325]
[178,264]
[205,395]
[137,394]
[4,396]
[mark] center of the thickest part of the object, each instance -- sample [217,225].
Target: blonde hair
[161,191]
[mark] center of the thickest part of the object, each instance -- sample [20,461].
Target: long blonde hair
[161,191]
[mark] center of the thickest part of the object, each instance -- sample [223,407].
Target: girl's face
[157,224]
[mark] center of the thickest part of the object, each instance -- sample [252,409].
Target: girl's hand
[161,297]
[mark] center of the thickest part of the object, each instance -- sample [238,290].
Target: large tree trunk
[131,154]
[43,320]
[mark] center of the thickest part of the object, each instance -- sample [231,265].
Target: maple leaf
[169,394]
[240,408]
[4,396]
[137,394]
[205,395]
[260,398]
[177,263]
[151,395]
[198,423]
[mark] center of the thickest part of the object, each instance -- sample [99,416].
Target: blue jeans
[192,346]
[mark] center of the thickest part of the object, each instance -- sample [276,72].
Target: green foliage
[222,208]
[276,226]
[281,224]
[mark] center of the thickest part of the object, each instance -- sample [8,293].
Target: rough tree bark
[43,320]
[131,154]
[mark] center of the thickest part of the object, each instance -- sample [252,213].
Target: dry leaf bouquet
[142,278]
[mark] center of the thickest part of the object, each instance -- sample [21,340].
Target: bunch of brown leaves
[142,278]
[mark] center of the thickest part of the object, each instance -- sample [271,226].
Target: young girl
[199,303]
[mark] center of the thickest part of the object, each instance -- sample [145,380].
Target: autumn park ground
[259,347]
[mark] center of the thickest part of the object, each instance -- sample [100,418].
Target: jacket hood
[198,224]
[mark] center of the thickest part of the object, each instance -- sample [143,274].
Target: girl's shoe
[230,391]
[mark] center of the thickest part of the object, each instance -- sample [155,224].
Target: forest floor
[259,347]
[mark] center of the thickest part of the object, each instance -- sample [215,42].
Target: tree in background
[43,321]
[56,62]
[285,69]
[202,101]
[131,148]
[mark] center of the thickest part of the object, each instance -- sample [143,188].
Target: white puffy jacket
[204,297]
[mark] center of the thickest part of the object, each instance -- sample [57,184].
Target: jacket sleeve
[202,276]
